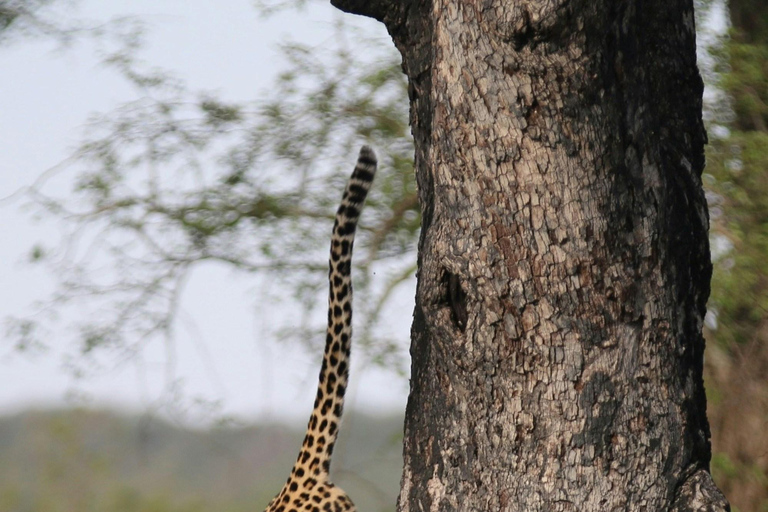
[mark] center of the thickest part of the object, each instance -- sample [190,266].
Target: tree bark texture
[563,263]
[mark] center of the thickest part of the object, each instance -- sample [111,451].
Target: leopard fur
[309,488]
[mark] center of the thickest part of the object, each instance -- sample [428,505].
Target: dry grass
[737,391]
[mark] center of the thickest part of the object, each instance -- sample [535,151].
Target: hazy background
[46,95]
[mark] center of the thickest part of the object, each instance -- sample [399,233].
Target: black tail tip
[367,156]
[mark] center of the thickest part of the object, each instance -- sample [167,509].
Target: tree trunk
[563,263]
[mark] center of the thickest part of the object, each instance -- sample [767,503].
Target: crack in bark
[457,300]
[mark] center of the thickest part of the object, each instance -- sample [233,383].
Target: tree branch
[381,10]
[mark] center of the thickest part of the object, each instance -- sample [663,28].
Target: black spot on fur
[357,193]
[363,175]
[350,211]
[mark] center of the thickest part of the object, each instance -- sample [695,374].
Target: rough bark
[563,263]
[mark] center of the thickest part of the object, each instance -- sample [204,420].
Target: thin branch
[395,219]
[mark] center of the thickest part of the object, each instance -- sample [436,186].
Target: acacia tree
[563,259]
[177,178]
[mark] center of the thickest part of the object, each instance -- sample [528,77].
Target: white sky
[45,97]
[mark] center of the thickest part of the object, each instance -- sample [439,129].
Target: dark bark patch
[599,401]
[523,35]
[456,299]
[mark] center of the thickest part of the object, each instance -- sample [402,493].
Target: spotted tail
[315,456]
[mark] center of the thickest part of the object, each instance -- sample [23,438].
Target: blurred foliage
[96,461]
[176,179]
[20,16]
[737,179]
[54,20]
[737,188]
[739,165]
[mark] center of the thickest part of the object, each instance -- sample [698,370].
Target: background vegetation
[95,461]
[737,185]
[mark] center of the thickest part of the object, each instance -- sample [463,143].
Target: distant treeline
[100,461]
